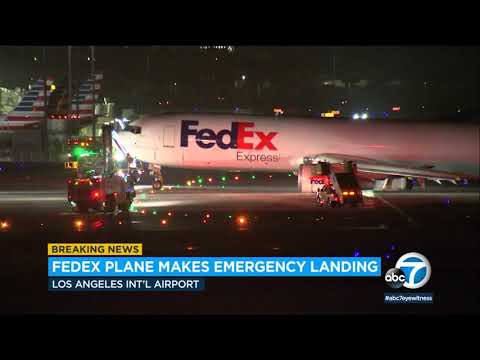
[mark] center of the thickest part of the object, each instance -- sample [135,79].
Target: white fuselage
[238,142]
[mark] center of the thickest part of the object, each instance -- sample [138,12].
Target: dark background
[423,80]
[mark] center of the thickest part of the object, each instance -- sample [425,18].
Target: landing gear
[158,179]
[157,184]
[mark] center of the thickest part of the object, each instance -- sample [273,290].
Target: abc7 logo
[418,271]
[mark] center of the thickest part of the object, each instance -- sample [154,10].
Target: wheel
[157,185]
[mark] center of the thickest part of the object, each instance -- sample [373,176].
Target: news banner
[123,267]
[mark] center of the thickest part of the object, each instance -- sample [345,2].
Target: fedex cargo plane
[242,142]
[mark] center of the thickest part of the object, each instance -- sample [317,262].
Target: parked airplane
[31,109]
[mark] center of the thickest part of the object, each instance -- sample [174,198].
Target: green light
[154,212]
[223,178]
[289,174]
[253,177]
[200,180]
[78,151]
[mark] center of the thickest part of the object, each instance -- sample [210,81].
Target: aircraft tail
[31,109]
[84,99]
[83,103]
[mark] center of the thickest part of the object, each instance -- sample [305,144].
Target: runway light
[79,224]
[4,225]
[190,248]
[242,220]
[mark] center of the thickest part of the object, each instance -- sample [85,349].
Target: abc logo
[395,278]
[417,270]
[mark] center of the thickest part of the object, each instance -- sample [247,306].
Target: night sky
[141,77]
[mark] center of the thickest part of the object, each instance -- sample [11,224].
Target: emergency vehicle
[97,184]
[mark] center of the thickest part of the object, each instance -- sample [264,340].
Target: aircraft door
[166,153]
[169,136]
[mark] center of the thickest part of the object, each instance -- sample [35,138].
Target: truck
[97,185]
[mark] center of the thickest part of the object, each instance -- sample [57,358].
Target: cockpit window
[135,129]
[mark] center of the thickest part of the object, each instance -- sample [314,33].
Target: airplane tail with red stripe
[31,109]
[83,100]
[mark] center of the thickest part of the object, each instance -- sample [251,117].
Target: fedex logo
[240,136]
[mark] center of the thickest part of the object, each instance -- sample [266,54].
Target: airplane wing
[388,168]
